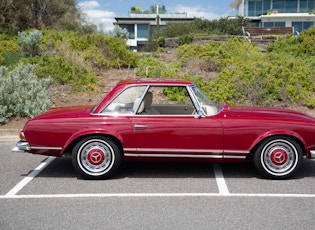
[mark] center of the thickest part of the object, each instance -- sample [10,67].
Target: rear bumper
[21,147]
[312,153]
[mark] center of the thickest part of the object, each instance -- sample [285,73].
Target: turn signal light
[22,136]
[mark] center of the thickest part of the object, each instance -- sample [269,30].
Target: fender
[88,132]
[275,133]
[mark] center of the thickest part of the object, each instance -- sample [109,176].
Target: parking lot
[38,192]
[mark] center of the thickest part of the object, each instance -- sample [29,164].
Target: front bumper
[21,147]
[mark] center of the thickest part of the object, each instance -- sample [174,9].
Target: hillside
[62,95]
[84,68]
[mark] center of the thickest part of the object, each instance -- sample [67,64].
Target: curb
[9,135]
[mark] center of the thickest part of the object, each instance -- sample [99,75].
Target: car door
[178,136]
[165,126]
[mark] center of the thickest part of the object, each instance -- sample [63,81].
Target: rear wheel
[278,157]
[96,157]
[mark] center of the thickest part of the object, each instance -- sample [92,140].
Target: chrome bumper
[312,153]
[21,147]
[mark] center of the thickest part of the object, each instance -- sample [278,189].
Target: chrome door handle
[140,127]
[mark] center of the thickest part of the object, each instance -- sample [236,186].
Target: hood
[65,112]
[266,113]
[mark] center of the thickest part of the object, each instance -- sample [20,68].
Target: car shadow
[63,168]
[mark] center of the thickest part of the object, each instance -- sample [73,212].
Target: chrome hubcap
[279,157]
[95,157]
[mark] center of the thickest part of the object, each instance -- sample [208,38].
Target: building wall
[142,26]
[274,13]
[253,8]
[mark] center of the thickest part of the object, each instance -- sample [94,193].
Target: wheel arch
[261,139]
[78,137]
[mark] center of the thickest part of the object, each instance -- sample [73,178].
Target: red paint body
[230,135]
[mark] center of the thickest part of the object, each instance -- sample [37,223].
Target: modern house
[299,14]
[141,26]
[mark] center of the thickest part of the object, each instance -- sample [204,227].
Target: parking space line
[29,177]
[146,195]
[223,189]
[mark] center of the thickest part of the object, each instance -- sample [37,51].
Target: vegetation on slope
[234,72]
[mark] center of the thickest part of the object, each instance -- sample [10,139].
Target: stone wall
[174,42]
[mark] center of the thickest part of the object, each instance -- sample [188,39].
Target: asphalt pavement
[39,192]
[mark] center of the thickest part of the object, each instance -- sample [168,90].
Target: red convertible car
[169,119]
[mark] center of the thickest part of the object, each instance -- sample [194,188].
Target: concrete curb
[9,135]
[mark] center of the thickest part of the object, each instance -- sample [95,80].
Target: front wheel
[96,157]
[278,157]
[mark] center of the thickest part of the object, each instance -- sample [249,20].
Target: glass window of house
[279,5]
[307,25]
[251,8]
[311,5]
[259,8]
[266,6]
[279,24]
[291,6]
[268,24]
[303,6]
[130,29]
[298,26]
[255,8]
[143,31]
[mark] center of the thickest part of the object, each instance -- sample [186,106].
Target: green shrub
[22,93]
[150,67]
[179,29]
[102,51]
[248,76]
[302,46]
[30,43]
[11,58]
[186,39]
[66,69]
[8,43]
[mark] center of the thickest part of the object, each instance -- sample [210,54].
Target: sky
[102,12]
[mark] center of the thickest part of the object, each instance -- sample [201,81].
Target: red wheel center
[96,156]
[279,157]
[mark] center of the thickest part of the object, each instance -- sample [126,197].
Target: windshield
[208,107]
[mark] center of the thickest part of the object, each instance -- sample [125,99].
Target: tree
[118,32]
[19,15]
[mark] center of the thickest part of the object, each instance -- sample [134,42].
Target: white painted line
[29,177]
[145,195]
[223,189]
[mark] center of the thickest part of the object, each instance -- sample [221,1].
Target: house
[141,26]
[299,14]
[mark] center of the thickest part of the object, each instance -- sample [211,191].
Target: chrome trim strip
[234,157]
[173,155]
[216,151]
[130,150]
[312,153]
[236,151]
[184,156]
[46,148]
[180,150]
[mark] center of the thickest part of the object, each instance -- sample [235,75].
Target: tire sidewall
[268,173]
[108,172]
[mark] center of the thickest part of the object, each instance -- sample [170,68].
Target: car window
[166,100]
[126,102]
[208,107]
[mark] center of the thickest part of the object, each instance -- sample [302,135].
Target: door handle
[140,127]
